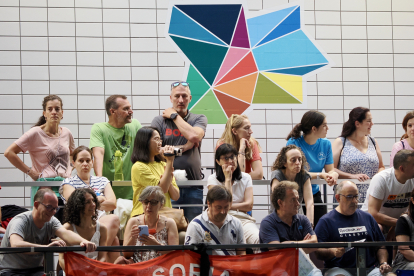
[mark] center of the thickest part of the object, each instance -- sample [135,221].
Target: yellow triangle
[292,84]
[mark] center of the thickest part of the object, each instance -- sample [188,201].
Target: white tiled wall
[85,50]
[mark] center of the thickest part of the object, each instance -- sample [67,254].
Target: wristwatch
[173,116]
[318,176]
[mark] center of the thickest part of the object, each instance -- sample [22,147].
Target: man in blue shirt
[285,225]
[346,223]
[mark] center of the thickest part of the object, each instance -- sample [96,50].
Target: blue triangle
[292,50]
[298,71]
[261,25]
[218,19]
[182,25]
[290,24]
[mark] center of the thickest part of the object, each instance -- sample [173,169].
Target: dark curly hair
[76,205]
[281,159]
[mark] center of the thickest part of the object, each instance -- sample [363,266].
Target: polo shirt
[202,230]
[272,228]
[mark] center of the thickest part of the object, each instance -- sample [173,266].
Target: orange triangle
[231,105]
[242,88]
[246,66]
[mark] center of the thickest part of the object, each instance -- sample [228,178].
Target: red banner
[279,262]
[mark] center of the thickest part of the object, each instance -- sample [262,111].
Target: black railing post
[361,261]
[49,263]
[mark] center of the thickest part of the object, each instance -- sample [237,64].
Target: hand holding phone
[143,230]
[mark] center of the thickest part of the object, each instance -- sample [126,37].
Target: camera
[177,152]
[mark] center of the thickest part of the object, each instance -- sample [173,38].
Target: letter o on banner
[158,270]
[180,266]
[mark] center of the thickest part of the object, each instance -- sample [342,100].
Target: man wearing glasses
[347,223]
[181,128]
[35,229]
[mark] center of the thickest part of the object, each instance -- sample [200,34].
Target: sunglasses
[177,83]
[152,202]
[50,208]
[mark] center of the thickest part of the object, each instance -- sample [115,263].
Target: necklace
[152,231]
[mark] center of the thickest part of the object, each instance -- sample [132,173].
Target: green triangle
[268,92]
[198,85]
[210,107]
[207,58]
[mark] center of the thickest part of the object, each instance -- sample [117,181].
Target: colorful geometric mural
[234,62]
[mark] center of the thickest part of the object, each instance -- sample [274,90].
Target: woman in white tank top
[81,218]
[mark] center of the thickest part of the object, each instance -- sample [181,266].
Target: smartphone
[143,230]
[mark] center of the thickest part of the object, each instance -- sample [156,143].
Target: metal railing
[360,250]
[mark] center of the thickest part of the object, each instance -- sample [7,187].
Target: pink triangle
[240,37]
[232,57]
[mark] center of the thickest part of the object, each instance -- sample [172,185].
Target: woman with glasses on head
[161,230]
[290,164]
[407,140]
[150,170]
[50,146]
[240,184]
[238,133]
[81,217]
[309,135]
[83,163]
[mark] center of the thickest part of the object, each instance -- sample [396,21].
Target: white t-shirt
[395,196]
[238,188]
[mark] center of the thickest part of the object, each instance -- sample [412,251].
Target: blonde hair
[236,121]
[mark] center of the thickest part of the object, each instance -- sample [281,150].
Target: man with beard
[347,223]
[116,134]
[214,225]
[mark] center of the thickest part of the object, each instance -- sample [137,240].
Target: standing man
[181,128]
[346,223]
[215,225]
[116,134]
[389,192]
[35,229]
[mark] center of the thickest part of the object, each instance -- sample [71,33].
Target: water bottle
[118,164]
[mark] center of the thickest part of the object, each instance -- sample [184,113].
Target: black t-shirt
[403,228]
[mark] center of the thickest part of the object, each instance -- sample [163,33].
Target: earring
[61,118]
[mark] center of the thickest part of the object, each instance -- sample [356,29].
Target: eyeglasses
[228,158]
[152,202]
[350,197]
[177,83]
[50,208]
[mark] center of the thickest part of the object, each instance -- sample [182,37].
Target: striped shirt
[96,183]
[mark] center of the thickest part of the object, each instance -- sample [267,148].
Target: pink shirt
[255,155]
[50,155]
[396,148]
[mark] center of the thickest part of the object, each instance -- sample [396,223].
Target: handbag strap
[211,235]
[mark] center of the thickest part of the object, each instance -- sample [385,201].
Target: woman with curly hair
[83,163]
[240,185]
[290,165]
[238,133]
[81,215]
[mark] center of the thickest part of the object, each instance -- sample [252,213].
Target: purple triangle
[240,37]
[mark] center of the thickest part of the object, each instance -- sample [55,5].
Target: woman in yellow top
[150,170]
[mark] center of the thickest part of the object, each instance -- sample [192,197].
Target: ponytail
[41,121]
[295,133]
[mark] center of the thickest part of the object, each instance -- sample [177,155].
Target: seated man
[214,225]
[389,192]
[35,229]
[346,223]
[285,225]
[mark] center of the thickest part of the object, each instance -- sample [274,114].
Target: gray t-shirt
[300,179]
[23,225]
[190,161]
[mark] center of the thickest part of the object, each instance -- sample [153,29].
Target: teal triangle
[292,50]
[198,86]
[207,58]
[299,71]
[182,25]
[261,25]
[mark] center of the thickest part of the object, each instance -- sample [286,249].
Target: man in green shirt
[116,134]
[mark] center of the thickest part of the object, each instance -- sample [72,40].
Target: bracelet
[242,153]
[383,263]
